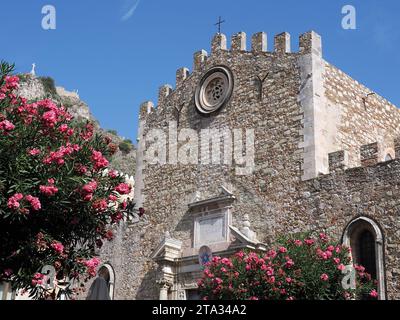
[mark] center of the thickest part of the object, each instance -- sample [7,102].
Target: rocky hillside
[43,87]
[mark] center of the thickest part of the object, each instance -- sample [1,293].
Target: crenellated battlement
[259,42]
[181,75]
[282,43]
[309,42]
[370,155]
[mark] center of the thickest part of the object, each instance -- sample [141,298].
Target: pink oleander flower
[112,197]
[270,271]
[92,263]
[6,126]
[309,242]
[33,152]
[13,201]
[90,187]
[34,202]
[271,280]
[347,295]
[63,128]
[240,254]
[88,197]
[12,82]
[100,205]
[324,277]
[123,205]
[341,267]
[271,254]
[373,294]
[323,237]
[289,263]
[98,160]
[59,155]
[49,190]
[336,260]
[298,243]
[282,250]
[50,118]
[37,279]
[123,188]
[208,273]
[264,267]
[8,272]
[58,247]
[117,217]
[323,255]
[81,168]
[113,174]
[359,268]
[87,134]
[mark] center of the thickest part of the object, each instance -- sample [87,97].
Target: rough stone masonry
[325,153]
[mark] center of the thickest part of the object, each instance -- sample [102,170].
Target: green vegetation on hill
[49,85]
[126,146]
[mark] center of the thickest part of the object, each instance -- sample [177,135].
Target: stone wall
[365,117]
[332,201]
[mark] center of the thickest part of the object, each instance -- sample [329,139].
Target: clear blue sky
[118,56]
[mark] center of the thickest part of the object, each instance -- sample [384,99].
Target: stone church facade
[321,154]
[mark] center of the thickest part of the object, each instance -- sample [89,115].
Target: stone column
[165,285]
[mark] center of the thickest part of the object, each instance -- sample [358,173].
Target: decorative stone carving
[214,90]
[181,295]
[246,228]
[205,255]
[165,285]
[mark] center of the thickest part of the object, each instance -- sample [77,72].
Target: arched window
[109,275]
[389,154]
[388,157]
[365,238]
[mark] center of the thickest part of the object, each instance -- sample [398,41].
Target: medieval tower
[294,145]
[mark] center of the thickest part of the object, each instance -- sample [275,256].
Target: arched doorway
[364,237]
[108,273]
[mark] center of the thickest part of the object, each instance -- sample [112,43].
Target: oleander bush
[57,201]
[301,267]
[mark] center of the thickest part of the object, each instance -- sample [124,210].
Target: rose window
[214,90]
